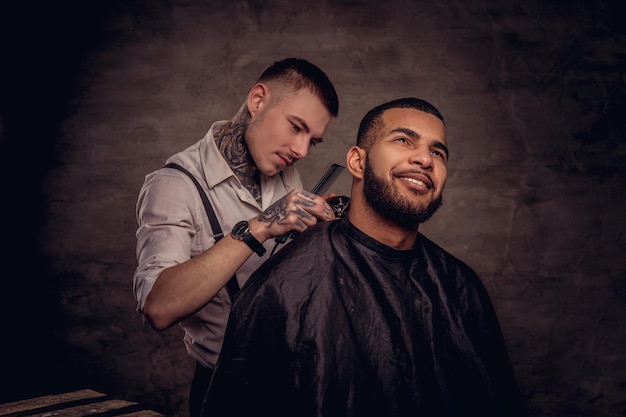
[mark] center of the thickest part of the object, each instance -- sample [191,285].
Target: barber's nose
[300,148]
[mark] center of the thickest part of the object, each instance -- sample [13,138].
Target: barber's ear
[257,97]
[355,161]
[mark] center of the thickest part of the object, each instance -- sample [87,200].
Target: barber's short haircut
[372,121]
[297,73]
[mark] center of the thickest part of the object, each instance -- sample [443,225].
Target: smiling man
[365,316]
[245,167]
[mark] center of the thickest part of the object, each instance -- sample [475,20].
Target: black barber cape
[337,324]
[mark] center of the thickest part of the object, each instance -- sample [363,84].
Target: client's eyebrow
[416,136]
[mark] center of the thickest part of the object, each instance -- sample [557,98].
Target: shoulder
[300,265]
[168,178]
[305,250]
[447,266]
[204,160]
[169,191]
[437,254]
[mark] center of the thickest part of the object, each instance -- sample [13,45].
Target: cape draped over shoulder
[338,324]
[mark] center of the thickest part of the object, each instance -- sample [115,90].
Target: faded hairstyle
[372,121]
[298,73]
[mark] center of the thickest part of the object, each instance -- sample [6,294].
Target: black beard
[387,202]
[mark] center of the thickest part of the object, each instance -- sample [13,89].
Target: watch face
[242,232]
[240,229]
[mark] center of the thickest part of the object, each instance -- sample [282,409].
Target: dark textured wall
[97,94]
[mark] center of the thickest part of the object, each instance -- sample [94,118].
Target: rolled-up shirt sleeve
[166,212]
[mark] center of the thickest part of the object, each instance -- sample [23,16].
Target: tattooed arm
[183,289]
[296,211]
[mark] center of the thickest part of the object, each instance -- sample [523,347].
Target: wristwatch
[242,232]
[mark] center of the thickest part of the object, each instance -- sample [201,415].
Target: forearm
[183,289]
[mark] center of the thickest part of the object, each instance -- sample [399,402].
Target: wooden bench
[74,404]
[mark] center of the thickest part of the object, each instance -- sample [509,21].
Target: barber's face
[282,131]
[405,170]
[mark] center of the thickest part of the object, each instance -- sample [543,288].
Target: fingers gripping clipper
[339,204]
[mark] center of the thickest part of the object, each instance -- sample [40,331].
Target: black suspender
[232,286]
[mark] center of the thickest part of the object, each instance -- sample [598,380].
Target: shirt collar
[214,167]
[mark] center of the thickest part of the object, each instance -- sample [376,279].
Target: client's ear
[355,161]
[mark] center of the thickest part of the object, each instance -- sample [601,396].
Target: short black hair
[372,120]
[299,73]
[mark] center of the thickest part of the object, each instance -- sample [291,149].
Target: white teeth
[414,181]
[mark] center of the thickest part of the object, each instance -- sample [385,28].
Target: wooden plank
[83,410]
[47,401]
[143,413]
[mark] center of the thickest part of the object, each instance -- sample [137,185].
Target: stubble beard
[386,200]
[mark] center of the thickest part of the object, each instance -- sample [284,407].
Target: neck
[378,227]
[231,141]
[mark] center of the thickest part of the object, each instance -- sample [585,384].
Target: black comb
[327,179]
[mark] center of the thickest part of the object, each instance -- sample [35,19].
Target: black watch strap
[242,232]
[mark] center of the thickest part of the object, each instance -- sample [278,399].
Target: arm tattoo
[277,212]
[230,140]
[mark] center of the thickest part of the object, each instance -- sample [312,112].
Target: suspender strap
[232,286]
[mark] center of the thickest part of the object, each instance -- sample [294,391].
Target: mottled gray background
[95,94]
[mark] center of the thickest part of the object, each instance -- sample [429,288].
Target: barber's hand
[296,211]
